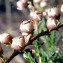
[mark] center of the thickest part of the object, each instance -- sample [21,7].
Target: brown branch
[44,33]
[30,42]
[39,35]
[15,53]
[12,56]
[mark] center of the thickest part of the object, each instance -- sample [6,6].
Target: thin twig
[15,53]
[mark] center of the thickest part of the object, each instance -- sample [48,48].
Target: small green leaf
[36,43]
[29,57]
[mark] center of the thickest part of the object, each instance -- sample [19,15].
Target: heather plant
[42,31]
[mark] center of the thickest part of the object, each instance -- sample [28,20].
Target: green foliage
[47,51]
[29,57]
[37,46]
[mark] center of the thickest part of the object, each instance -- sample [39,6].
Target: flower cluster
[53,18]
[22,4]
[28,28]
[52,14]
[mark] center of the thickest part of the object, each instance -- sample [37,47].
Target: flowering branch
[30,42]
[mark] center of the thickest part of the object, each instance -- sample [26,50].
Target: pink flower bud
[51,24]
[21,5]
[43,4]
[27,27]
[53,12]
[5,38]
[62,8]
[18,43]
[37,15]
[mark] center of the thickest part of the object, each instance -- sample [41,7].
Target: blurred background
[10,19]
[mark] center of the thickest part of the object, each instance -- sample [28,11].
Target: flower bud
[18,43]
[54,12]
[51,24]
[21,5]
[5,38]
[62,8]
[26,27]
[43,4]
[37,15]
